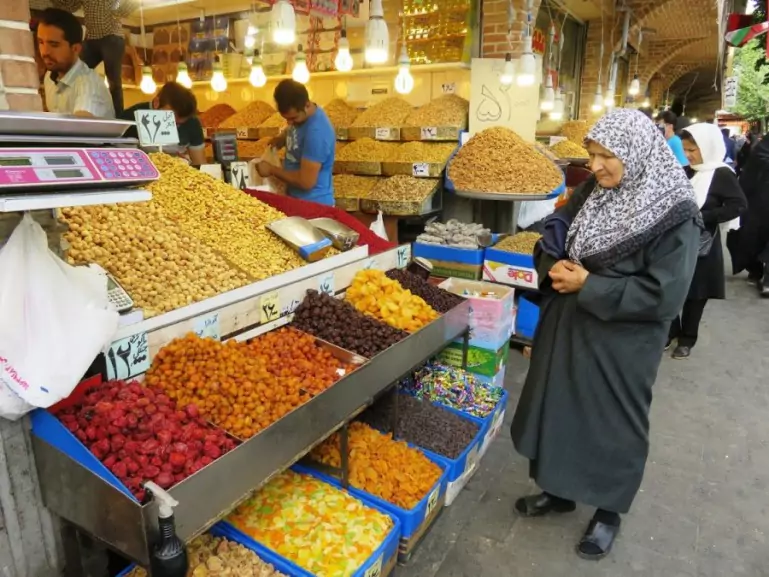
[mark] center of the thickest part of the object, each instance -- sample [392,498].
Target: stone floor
[703,508]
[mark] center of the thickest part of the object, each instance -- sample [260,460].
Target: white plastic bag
[268,184]
[378,227]
[55,319]
[532,211]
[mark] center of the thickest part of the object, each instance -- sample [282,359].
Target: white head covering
[710,141]
[653,196]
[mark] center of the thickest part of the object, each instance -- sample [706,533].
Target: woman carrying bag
[721,200]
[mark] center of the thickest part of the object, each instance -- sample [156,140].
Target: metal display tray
[431,203]
[77,494]
[432,133]
[49,124]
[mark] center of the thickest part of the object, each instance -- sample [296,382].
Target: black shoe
[681,352]
[542,504]
[597,541]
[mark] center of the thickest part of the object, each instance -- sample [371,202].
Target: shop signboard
[730,92]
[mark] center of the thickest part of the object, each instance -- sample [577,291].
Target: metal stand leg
[465,348]
[345,455]
[83,556]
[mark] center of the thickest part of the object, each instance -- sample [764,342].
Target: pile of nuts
[498,160]
[340,324]
[341,114]
[452,233]
[215,115]
[403,188]
[372,293]
[351,186]
[440,300]
[161,266]
[368,150]
[446,110]
[380,466]
[389,112]
[250,117]
[227,383]
[274,121]
[227,220]
[569,149]
[423,152]
[575,130]
[522,243]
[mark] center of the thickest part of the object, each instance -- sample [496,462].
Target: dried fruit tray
[368,168]
[432,133]
[431,203]
[381,562]
[348,204]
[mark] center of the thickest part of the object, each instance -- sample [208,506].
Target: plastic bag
[268,184]
[532,211]
[56,319]
[378,227]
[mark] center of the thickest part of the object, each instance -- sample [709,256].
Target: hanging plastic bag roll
[56,320]
[378,227]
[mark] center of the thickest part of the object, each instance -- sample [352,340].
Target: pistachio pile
[423,152]
[250,117]
[341,114]
[522,243]
[274,121]
[368,150]
[350,186]
[403,188]
[389,112]
[446,110]
[575,130]
[569,149]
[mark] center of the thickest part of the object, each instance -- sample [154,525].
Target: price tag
[420,169]
[326,283]
[270,307]
[242,132]
[403,255]
[240,176]
[382,134]
[128,357]
[449,87]
[289,308]
[156,127]
[207,326]
[429,132]
[472,459]
[370,263]
[432,501]
[375,570]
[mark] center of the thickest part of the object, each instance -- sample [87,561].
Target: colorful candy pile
[453,387]
[313,524]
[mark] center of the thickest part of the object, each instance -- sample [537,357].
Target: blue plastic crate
[526,318]
[448,253]
[381,556]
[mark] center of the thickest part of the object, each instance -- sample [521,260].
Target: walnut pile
[368,150]
[389,112]
[447,110]
[424,152]
[250,117]
[452,233]
[498,160]
[575,130]
[403,188]
[569,149]
[350,186]
[341,114]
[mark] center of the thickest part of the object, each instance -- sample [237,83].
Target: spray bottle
[169,555]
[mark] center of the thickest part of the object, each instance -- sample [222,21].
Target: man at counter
[309,140]
[174,96]
[70,86]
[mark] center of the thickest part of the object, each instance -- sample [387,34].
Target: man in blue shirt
[309,140]
[668,119]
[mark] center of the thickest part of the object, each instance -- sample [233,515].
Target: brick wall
[19,80]
[592,65]
[494,42]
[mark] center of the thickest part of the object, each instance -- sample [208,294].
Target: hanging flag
[742,36]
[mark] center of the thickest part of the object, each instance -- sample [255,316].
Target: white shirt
[80,89]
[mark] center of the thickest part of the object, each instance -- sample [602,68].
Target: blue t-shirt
[314,140]
[675,144]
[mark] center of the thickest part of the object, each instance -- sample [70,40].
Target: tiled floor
[703,508]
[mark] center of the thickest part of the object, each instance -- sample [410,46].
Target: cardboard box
[485,362]
[448,261]
[510,268]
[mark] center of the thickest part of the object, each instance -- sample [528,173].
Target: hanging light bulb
[404,82]
[646,103]
[527,66]
[283,23]
[343,60]
[548,98]
[147,84]
[250,41]
[257,78]
[218,81]
[251,30]
[597,100]
[377,35]
[694,120]
[557,112]
[300,73]
[609,100]
[635,86]
[183,75]
[508,72]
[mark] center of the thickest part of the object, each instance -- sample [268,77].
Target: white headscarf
[653,196]
[710,141]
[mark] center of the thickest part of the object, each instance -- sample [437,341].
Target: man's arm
[305,178]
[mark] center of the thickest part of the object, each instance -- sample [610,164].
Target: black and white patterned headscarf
[653,196]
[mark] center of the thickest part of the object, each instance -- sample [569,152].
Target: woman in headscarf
[615,264]
[720,199]
[749,245]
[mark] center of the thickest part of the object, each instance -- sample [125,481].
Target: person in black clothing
[744,153]
[749,245]
[721,200]
[174,96]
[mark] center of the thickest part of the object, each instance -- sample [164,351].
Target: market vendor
[309,140]
[174,96]
[70,86]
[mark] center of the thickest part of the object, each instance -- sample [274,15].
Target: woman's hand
[567,277]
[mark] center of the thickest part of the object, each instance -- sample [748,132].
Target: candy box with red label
[510,268]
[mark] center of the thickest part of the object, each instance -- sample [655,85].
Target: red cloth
[295,207]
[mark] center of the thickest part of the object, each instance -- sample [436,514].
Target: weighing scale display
[33,168]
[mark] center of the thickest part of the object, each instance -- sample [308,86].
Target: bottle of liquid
[169,555]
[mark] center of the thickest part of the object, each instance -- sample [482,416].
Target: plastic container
[381,562]
[526,318]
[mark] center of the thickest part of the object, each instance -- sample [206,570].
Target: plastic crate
[526,318]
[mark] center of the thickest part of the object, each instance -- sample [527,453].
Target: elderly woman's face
[608,169]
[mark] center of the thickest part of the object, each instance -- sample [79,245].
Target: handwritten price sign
[429,132]
[420,169]
[370,263]
[242,132]
[432,501]
[326,283]
[207,327]
[156,127]
[128,357]
[289,308]
[270,307]
[375,570]
[403,256]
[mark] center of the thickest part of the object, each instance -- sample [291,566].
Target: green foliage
[752,89]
